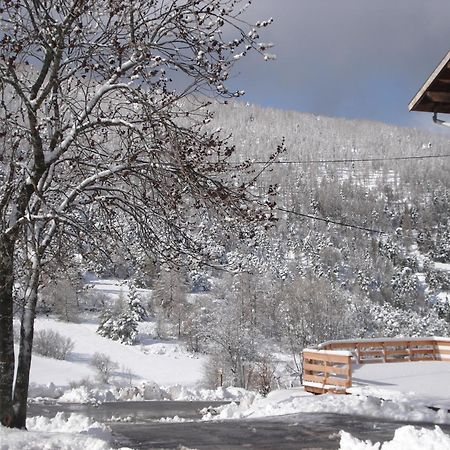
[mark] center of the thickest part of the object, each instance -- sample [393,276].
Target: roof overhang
[434,96]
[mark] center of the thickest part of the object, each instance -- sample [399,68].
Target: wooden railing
[328,368]
[327,371]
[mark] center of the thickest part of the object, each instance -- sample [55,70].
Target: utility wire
[327,161]
[323,161]
[334,222]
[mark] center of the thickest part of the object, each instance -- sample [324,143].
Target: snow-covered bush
[263,377]
[51,344]
[104,365]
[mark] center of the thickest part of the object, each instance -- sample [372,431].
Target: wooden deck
[329,368]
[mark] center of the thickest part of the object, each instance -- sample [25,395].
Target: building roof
[434,95]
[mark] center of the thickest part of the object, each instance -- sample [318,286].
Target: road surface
[292,432]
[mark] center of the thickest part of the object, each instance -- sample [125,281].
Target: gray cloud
[351,58]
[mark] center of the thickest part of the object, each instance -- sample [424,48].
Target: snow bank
[49,390]
[297,401]
[73,432]
[83,394]
[145,391]
[29,440]
[73,423]
[233,394]
[407,437]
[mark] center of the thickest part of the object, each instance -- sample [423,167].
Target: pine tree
[137,311]
[118,323]
[122,328]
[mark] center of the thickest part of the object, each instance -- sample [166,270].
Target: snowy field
[164,363]
[155,369]
[425,382]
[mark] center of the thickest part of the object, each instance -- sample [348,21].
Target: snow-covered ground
[74,432]
[407,437]
[292,401]
[165,363]
[161,362]
[279,403]
[423,382]
[155,369]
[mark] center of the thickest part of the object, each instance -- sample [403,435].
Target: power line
[328,161]
[334,222]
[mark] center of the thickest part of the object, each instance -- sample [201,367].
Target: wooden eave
[434,95]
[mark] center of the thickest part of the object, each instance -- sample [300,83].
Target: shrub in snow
[104,365]
[263,376]
[51,344]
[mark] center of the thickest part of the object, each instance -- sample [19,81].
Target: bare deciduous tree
[102,104]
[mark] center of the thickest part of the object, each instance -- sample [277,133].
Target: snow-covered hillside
[164,362]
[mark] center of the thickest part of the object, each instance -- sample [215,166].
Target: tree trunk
[6,331]
[26,347]
[23,370]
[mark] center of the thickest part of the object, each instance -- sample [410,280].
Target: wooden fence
[327,371]
[329,368]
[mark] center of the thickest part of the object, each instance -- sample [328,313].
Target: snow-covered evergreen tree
[137,310]
[118,322]
[122,328]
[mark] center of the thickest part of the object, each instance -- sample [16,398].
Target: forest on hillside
[359,246]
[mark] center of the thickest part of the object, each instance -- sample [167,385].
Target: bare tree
[102,104]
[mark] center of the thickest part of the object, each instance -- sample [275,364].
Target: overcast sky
[348,58]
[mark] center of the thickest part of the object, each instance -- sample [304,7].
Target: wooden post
[349,372]
[325,376]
